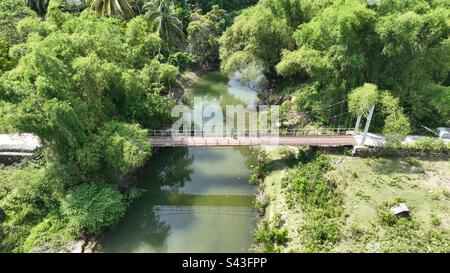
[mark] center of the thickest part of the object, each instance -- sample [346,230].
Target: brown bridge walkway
[192,141]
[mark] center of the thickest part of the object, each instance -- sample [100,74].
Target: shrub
[126,146]
[51,233]
[386,217]
[91,208]
[290,157]
[183,60]
[430,144]
[308,182]
[26,197]
[396,124]
[270,236]
[261,204]
[435,221]
[259,164]
[319,200]
[320,232]
[362,99]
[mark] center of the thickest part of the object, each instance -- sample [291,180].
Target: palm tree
[113,8]
[39,6]
[167,24]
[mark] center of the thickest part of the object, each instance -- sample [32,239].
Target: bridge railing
[218,132]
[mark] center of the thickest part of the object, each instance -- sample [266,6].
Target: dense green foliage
[49,235]
[320,201]
[87,87]
[183,60]
[11,11]
[92,208]
[256,37]
[258,163]
[396,123]
[362,99]
[333,47]
[26,197]
[89,82]
[270,236]
[76,94]
[229,5]
[203,35]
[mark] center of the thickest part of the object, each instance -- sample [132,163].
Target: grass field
[366,184]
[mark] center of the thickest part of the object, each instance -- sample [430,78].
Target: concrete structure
[444,133]
[400,210]
[14,147]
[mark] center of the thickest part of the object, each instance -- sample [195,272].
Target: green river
[196,199]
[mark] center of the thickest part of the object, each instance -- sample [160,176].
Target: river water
[196,199]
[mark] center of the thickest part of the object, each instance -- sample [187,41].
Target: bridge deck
[324,141]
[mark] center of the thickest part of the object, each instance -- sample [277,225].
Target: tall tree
[203,35]
[112,8]
[39,6]
[166,22]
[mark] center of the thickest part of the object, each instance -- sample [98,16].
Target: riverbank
[364,188]
[22,167]
[190,201]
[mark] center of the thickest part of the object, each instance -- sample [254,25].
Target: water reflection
[216,88]
[197,199]
[171,168]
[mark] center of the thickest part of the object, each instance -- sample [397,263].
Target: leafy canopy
[85,85]
[92,208]
[362,99]
[337,46]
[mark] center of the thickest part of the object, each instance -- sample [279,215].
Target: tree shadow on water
[141,229]
[171,168]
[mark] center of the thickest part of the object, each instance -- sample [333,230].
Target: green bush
[430,144]
[92,208]
[319,199]
[262,204]
[269,237]
[48,235]
[319,232]
[435,221]
[309,183]
[259,164]
[27,195]
[183,60]
[386,217]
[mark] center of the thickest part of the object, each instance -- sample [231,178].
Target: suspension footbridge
[321,138]
[336,133]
